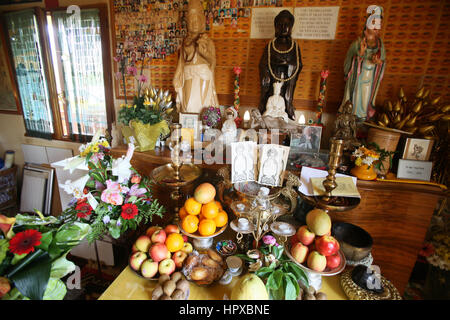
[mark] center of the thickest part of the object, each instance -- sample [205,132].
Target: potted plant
[364,159]
[384,163]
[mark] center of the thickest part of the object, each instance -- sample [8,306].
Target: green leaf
[290,291]
[132,199]
[27,220]
[32,278]
[299,274]
[271,283]
[4,244]
[263,272]
[277,294]
[56,290]
[61,267]
[114,231]
[46,240]
[17,258]
[245,257]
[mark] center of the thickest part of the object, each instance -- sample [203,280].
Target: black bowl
[355,242]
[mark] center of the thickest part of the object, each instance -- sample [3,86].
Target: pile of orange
[203,218]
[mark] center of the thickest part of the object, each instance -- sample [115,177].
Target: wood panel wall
[416,35]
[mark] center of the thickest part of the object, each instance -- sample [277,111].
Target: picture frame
[308,141]
[191,120]
[417,149]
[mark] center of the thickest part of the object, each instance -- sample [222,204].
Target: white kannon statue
[229,128]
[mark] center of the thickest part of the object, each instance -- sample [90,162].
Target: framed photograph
[307,141]
[192,121]
[417,149]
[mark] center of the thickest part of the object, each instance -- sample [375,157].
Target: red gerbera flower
[129,211]
[25,241]
[84,210]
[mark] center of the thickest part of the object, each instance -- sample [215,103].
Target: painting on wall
[8,92]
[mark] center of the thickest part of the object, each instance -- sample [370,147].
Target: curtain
[79,40]
[26,49]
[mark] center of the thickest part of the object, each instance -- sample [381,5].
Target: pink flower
[135,179]
[269,240]
[117,58]
[237,70]
[118,75]
[132,71]
[113,193]
[324,74]
[142,78]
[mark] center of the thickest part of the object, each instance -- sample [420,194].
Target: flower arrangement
[113,197]
[33,253]
[365,156]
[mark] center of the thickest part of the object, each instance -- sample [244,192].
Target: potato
[169,287]
[183,285]
[311,290]
[157,292]
[199,273]
[178,295]
[163,279]
[177,276]
[209,262]
[310,297]
[165,297]
[214,255]
[321,296]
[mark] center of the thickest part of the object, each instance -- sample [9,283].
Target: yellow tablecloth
[129,286]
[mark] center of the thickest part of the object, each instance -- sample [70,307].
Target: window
[63,70]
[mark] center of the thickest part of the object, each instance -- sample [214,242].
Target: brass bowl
[165,175]
[355,242]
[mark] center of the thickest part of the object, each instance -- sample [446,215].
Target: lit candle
[246,119]
[302,119]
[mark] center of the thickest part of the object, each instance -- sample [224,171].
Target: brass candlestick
[335,158]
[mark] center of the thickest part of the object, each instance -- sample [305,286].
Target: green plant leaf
[27,220]
[278,276]
[291,288]
[32,275]
[263,272]
[61,267]
[56,290]
[46,240]
[17,258]
[4,244]
[299,274]
[271,284]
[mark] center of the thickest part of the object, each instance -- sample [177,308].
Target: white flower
[76,188]
[121,167]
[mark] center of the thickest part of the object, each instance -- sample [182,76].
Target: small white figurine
[276,106]
[229,128]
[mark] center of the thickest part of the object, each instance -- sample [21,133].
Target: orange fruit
[210,210]
[207,227]
[219,205]
[183,213]
[174,242]
[221,219]
[192,206]
[205,193]
[201,217]
[190,223]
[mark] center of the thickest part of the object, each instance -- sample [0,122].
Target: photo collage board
[150,32]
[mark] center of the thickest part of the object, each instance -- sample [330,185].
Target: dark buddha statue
[281,62]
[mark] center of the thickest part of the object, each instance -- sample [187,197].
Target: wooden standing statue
[281,62]
[194,76]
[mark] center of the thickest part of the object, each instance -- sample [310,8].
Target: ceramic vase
[364,172]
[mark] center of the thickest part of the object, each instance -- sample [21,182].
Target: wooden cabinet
[397,215]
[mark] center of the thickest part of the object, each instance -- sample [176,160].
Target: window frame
[44,37]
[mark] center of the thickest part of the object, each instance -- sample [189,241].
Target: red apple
[333,261]
[166,266]
[134,249]
[305,236]
[171,228]
[179,258]
[149,268]
[316,261]
[158,252]
[159,236]
[152,230]
[137,259]
[143,243]
[185,238]
[299,251]
[327,245]
[294,240]
[187,247]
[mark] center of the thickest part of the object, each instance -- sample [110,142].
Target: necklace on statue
[293,44]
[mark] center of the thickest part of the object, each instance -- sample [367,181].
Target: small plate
[226,247]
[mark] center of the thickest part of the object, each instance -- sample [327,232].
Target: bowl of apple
[160,251]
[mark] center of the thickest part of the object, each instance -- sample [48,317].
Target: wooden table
[396,215]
